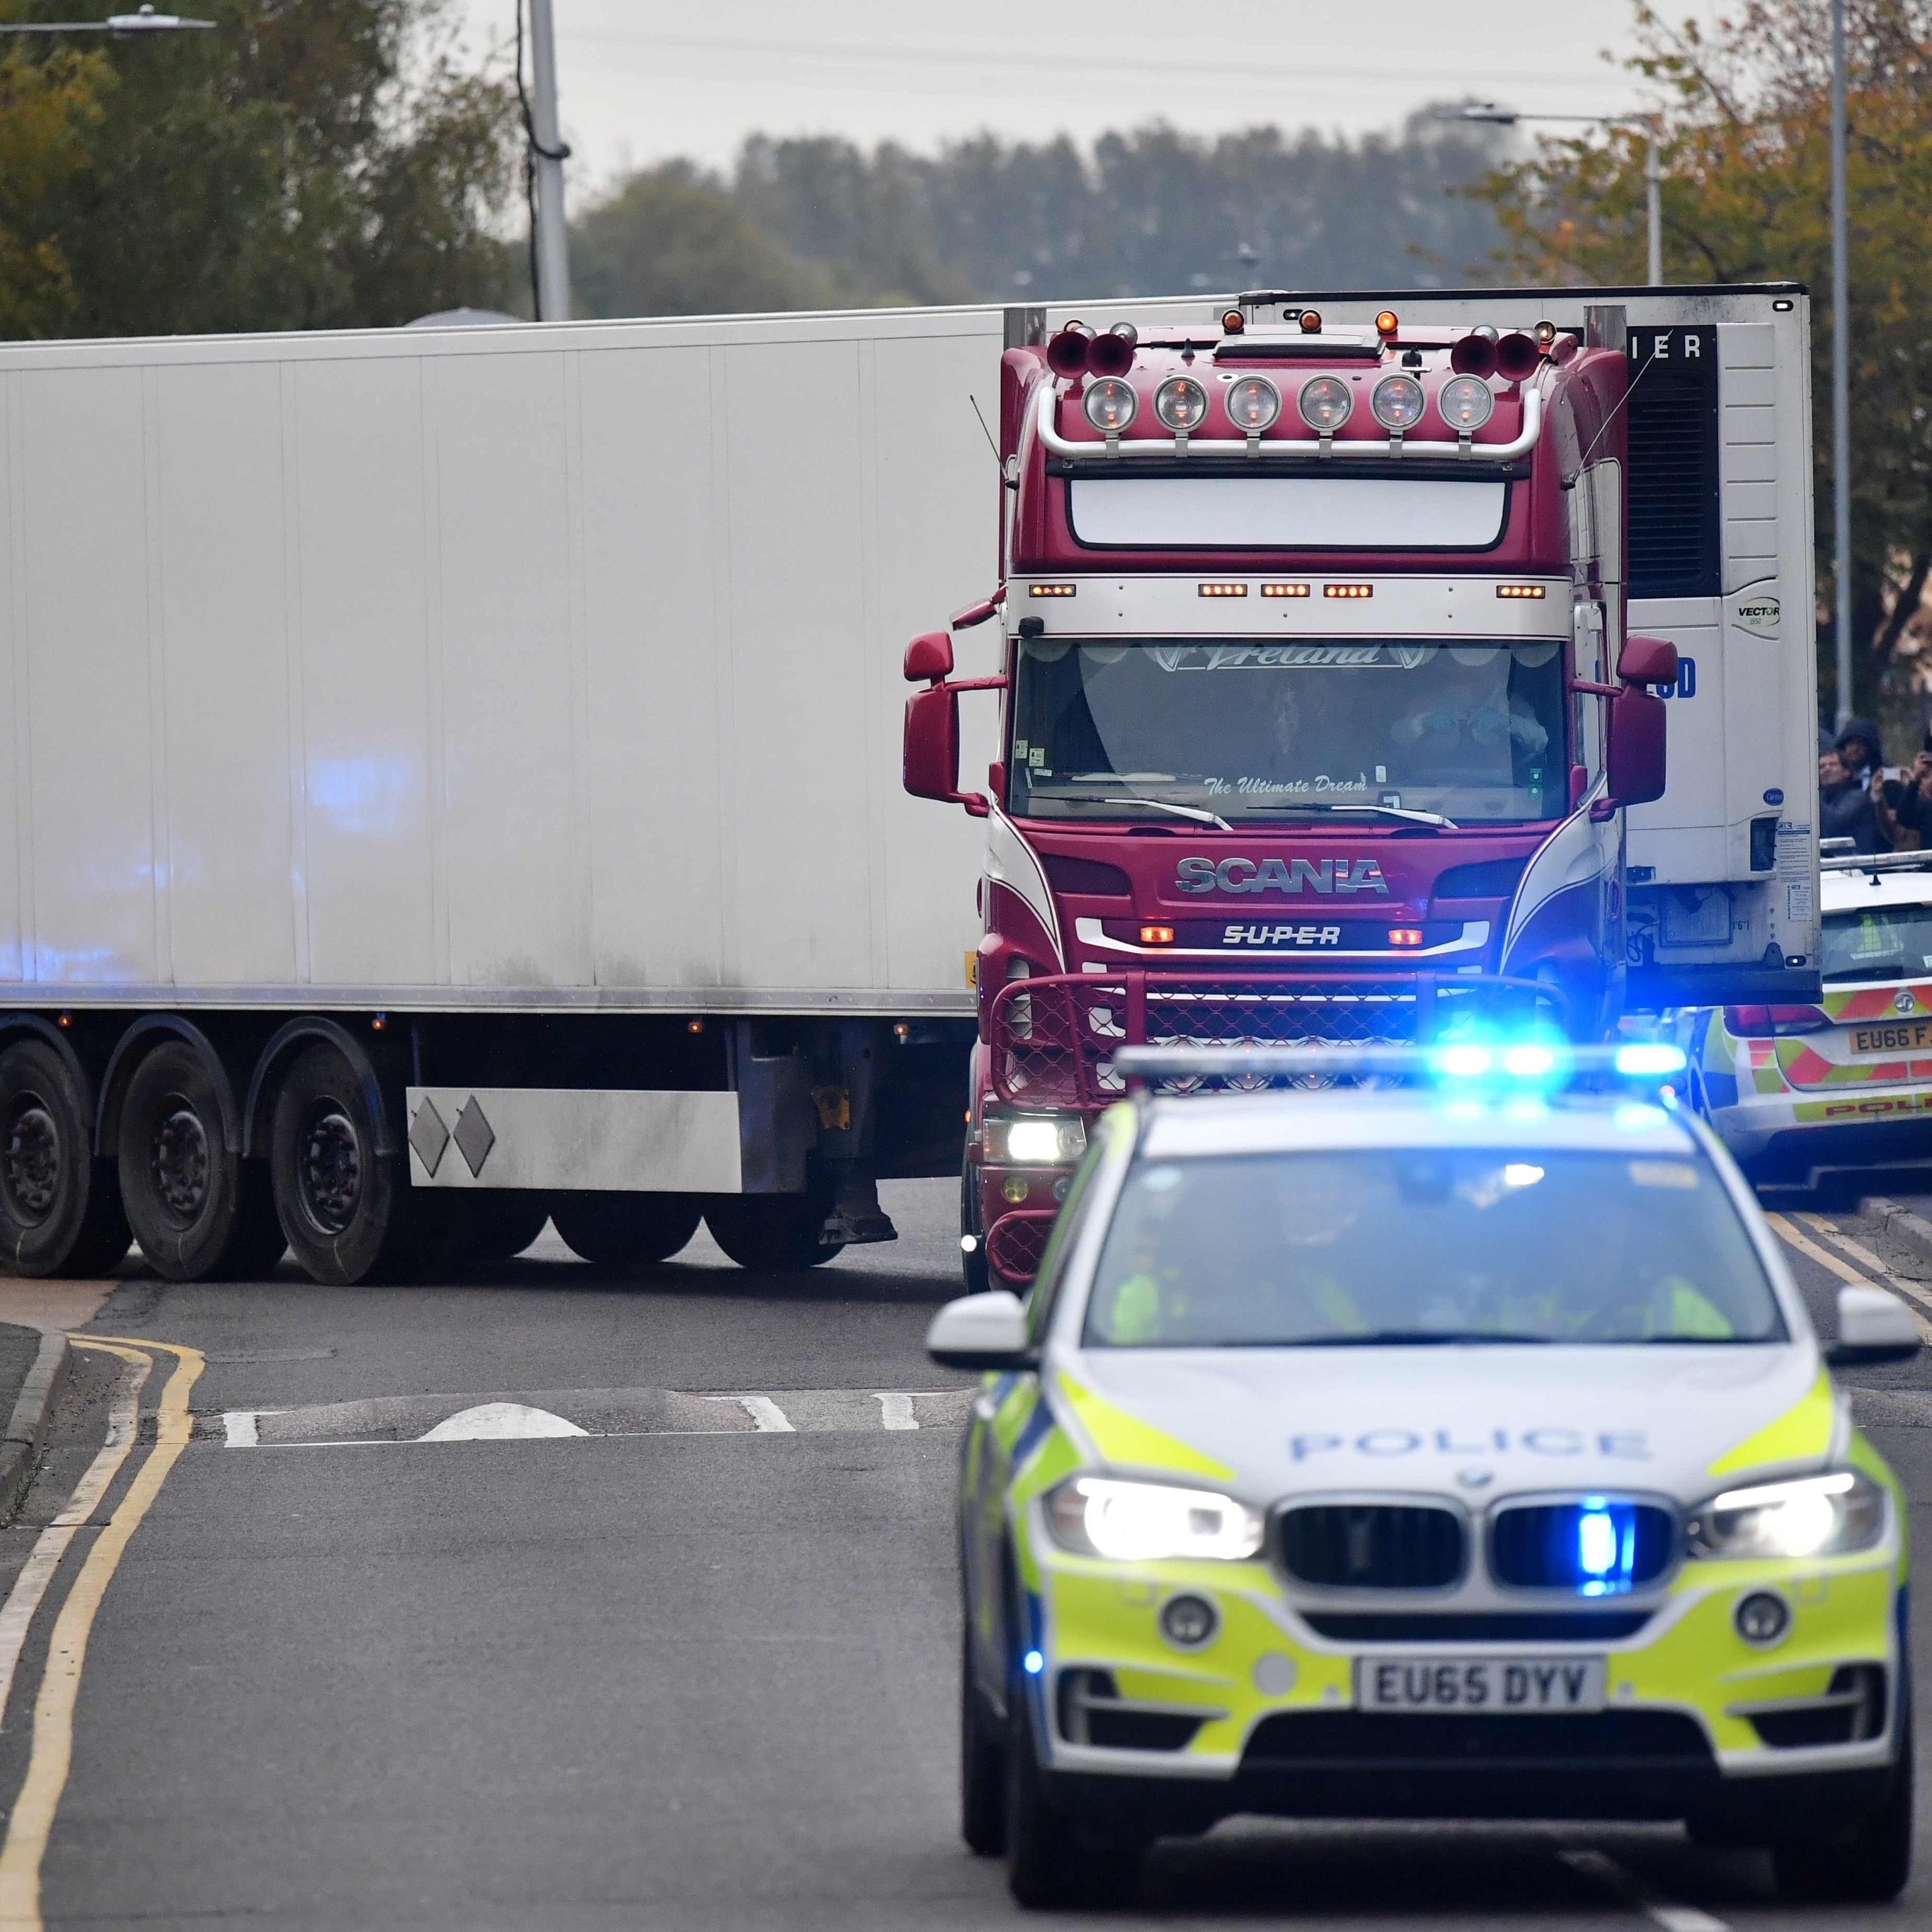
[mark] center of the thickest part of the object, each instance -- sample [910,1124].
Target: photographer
[1848,803]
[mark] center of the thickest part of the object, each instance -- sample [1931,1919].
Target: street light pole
[1488,112]
[122,26]
[1841,380]
[548,154]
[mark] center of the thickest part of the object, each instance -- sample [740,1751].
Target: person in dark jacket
[1848,813]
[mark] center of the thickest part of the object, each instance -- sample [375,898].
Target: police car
[1799,1092]
[1458,1450]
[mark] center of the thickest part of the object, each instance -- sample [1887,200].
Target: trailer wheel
[619,1231]
[341,1204]
[771,1232]
[186,1194]
[60,1208]
[454,1229]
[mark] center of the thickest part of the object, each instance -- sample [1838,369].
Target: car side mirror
[982,1331]
[928,658]
[1634,758]
[1872,1326]
[1648,661]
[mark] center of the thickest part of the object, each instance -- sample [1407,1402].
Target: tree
[47,106]
[1747,198]
[311,164]
[669,242]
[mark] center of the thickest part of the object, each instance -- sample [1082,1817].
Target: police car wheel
[982,1765]
[1052,1858]
[1868,1865]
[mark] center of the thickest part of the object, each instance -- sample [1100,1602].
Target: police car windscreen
[1426,1245]
[1254,728]
[1878,943]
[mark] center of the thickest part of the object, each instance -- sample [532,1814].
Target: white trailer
[454,774]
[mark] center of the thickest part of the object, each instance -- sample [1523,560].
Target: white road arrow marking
[500,1422]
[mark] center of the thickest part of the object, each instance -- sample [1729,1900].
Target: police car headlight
[1140,1522]
[1814,1516]
[1045,1140]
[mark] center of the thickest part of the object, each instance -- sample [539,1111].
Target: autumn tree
[1744,112]
[48,105]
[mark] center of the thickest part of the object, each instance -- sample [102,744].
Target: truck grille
[1054,1037]
[1372,1546]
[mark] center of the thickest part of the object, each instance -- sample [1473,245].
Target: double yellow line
[52,1756]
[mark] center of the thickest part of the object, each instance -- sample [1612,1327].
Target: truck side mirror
[1634,756]
[928,658]
[1648,661]
[931,745]
[1872,1326]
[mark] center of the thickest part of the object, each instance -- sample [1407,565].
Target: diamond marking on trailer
[429,1136]
[474,1136]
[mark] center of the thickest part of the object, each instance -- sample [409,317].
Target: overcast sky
[641,79]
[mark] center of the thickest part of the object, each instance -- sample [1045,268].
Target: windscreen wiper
[1431,818]
[1405,1338]
[1194,812]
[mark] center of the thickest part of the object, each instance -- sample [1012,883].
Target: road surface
[677,1651]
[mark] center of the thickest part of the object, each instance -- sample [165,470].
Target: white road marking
[500,1422]
[124,1420]
[1633,1891]
[766,1413]
[1836,1264]
[243,1429]
[896,1411]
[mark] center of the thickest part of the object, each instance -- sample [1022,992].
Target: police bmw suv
[1457,1453]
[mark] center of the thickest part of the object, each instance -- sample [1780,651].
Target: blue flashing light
[1033,1663]
[1466,1061]
[1530,1062]
[1649,1059]
[1606,1554]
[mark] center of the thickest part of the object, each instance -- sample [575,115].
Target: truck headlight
[1813,1515]
[1045,1140]
[1141,1522]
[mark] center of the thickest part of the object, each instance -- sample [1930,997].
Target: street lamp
[121,26]
[1841,380]
[1491,114]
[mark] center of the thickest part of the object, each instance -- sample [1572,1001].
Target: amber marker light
[1284,590]
[1157,935]
[1233,323]
[1222,590]
[1050,590]
[694,1026]
[1348,589]
[1311,322]
[1386,324]
[1519,590]
[1405,935]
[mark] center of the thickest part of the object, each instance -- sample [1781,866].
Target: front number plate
[1480,1683]
[1903,1036]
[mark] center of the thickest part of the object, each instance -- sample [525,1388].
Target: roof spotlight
[1397,402]
[1253,403]
[1467,403]
[1546,333]
[1181,403]
[1325,402]
[1110,405]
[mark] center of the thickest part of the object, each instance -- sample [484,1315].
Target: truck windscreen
[1249,728]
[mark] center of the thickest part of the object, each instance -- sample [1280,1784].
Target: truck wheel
[973,1263]
[60,1208]
[982,1764]
[341,1205]
[1867,1865]
[183,1190]
[625,1231]
[771,1232]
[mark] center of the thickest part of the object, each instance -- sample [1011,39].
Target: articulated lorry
[455,777]
[1339,640]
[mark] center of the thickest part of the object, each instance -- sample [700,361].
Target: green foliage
[47,107]
[669,243]
[310,164]
[1746,197]
[1151,212]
